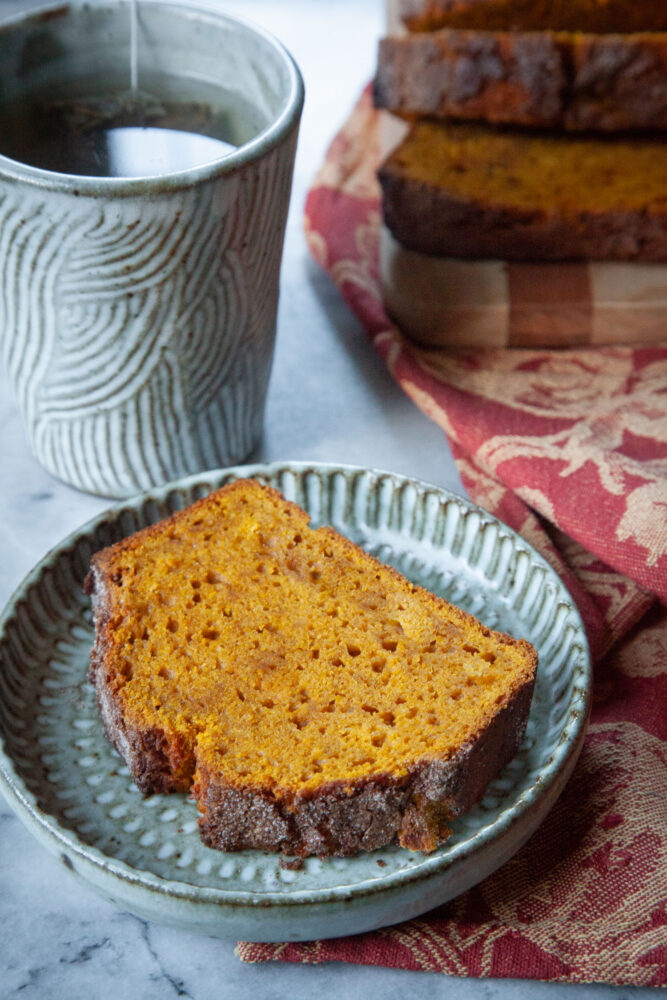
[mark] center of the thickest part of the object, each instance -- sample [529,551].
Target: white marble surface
[330,400]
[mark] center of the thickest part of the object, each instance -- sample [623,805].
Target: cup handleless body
[137,317]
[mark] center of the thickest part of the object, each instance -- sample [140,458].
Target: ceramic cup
[137,315]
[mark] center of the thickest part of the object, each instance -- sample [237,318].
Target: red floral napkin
[570,449]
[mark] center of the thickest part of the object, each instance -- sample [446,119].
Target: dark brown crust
[530,15]
[338,818]
[429,219]
[344,818]
[577,82]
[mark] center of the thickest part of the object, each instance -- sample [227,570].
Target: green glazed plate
[75,794]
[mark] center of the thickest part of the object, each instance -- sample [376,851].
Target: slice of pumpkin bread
[314,700]
[463,190]
[539,79]
[599,16]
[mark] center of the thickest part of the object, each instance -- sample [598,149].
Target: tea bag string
[134,56]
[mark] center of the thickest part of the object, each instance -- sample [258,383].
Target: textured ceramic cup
[137,316]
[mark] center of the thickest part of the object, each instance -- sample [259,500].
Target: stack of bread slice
[527,202]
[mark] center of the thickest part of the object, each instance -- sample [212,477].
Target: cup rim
[154,184]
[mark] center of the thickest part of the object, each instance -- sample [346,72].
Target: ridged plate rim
[558,767]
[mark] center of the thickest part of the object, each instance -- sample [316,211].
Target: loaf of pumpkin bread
[312,699]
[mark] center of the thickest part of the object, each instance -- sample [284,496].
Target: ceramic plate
[74,793]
